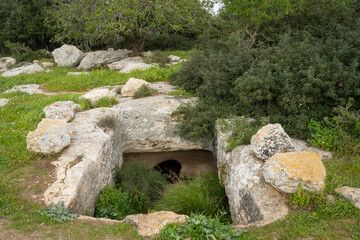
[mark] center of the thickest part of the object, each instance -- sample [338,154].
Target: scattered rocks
[67,56]
[6,62]
[77,73]
[123,63]
[27,69]
[62,110]
[96,94]
[285,171]
[350,193]
[28,88]
[149,225]
[102,58]
[131,86]
[4,101]
[51,136]
[269,140]
[136,66]
[174,58]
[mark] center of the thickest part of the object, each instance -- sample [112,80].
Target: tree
[135,20]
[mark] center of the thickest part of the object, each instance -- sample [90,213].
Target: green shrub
[105,102]
[59,213]
[135,178]
[203,195]
[145,91]
[340,133]
[159,58]
[117,204]
[200,227]
[180,92]
[23,53]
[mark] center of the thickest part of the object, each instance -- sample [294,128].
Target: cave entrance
[170,169]
[185,164]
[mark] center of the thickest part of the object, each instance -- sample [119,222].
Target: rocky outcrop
[131,86]
[149,225]
[62,110]
[27,69]
[5,63]
[28,88]
[96,94]
[4,101]
[350,193]
[102,58]
[67,56]
[269,140]
[51,136]
[285,171]
[123,63]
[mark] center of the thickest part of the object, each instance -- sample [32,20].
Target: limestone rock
[6,62]
[131,86]
[135,66]
[149,225]
[269,140]
[63,110]
[101,58]
[77,73]
[96,94]
[285,171]
[51,136]
[28,88]
[350,193]
[174,58]
[3,101]
[27,69]
[47,64]
[123,63]
[147,54]
[67,56]
[301,146]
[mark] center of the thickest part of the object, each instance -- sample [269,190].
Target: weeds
[107,122]
[145,91]
[59,213]
[105,102]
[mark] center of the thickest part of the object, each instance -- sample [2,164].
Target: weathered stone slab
[27,69]
[5,63]
[123,63]
[135,66]
[28,88]
[4,101]
[350,193]
[64,110]
[96,94]
[102,58]
[77,73]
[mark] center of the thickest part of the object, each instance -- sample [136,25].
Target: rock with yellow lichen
[269,140]
[149,225]
[285,171]
[51,136]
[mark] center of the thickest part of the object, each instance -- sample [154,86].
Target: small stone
[174,58]
[28,88]
[48,70]
[77,73]
[136,66]
[47,64]
[4,101]
[131,86]
[285,171]
[64,110]
[350,193]
[96,94]
[330,199]
[269,140]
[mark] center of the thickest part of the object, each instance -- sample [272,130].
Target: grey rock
[27,69]
[6,62]
[47,64]
[350,193]
[4,101]
[301,145]
[28,88]
[125,62]
[174,58]
[131,86]
[67,56]
[136,66]
[64,110]
[102,58]
[96,94]
[77,73]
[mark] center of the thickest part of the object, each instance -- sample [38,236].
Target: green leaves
[59,213]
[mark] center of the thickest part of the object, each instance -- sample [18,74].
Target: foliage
[159,58]
[117,204]
[145,91]
[59,213]
[340,133]
[105,102]
[23,53]
[136,21]
[180,92]
[200,227]
[203,195]
[135,178]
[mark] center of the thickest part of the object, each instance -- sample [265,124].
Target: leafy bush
[200,227]
[159,58]
[23,53]
[145,91]
[105,102]
[59,213]
[117,204]
[203,195]
[340,132]
[135,178]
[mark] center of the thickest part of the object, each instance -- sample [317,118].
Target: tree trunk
[137,44]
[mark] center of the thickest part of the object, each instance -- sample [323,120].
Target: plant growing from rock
[145,91]
[107,122]
[105,102]
[59,213]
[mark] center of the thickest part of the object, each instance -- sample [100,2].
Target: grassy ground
[23,175]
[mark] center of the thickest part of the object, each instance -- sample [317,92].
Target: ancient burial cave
[184,164]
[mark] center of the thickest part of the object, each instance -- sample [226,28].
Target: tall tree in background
[135,20]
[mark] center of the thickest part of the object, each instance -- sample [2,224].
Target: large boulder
[6,62]
[269,140]
[3,101]
[28,88]
[62,110]
[123,63]
[285,171]
[67,56]
[131,86]
[149,225]
[96,94]
[27,69]
[51,136]
[350,193]
[102,58]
